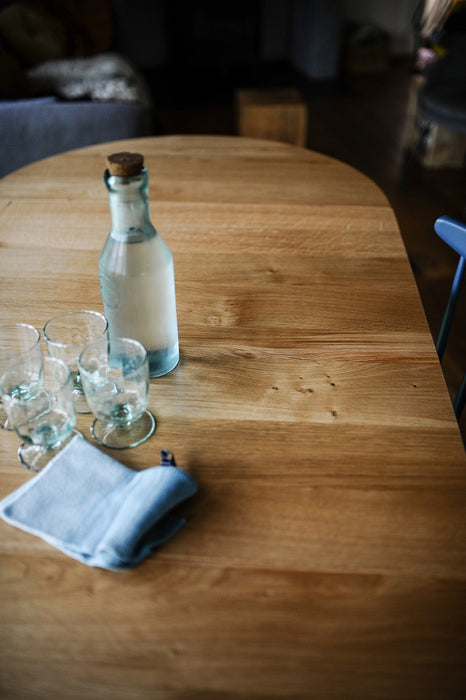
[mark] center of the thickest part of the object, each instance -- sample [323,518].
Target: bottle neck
[129,207]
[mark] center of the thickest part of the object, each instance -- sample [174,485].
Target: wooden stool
[279,115]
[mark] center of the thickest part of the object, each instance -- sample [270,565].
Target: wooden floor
[364,122]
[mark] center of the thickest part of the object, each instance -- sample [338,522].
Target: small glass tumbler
[115,377]
[19,348]
[44,418]
[66,337]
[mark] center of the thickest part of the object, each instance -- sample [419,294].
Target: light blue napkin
[98,511]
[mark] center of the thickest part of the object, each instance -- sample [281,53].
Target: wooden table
[325,554]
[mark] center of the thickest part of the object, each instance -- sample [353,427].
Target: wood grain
[324,555]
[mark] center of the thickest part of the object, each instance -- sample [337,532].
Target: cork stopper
[125,164]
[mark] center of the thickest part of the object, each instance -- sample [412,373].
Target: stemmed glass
[66,337]
[115,377]
[44,414]
[19,347]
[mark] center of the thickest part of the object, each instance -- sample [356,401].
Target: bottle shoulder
[124,256]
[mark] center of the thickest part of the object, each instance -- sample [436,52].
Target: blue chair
[454,233]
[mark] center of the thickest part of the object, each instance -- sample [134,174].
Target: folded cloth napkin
[97,510]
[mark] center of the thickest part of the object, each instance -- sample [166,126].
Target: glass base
[4,421]
[80,402]
[110,435]
[36,457]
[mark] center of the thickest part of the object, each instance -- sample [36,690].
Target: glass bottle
[136,274]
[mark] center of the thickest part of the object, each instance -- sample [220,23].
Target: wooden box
[367,59]
[279,115]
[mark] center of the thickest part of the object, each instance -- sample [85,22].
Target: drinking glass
[19,347]
[43,416]
[66,337]
[115,377]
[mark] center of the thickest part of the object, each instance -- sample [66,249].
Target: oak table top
[324,555]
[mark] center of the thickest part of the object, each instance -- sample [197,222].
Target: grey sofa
[32,129]
[56,99]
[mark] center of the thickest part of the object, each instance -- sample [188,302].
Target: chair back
[452,232]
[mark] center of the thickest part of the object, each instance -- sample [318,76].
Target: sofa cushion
[37,128]
[29,35]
